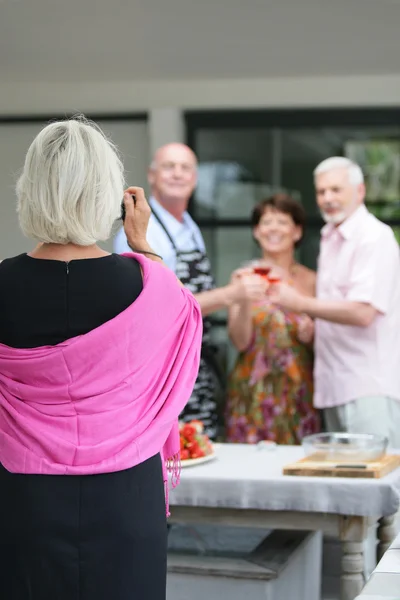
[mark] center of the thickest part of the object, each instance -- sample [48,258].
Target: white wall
[131,96]
[130,136]
[165,125]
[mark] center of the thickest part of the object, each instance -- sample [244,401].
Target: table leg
[386,534]
[352,579]
[352,532]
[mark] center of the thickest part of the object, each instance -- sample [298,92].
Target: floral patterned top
[270,390]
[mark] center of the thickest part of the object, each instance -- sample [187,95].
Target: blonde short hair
[71,186]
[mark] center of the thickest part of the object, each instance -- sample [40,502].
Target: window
[245,156]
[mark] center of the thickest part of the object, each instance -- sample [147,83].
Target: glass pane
[379,159]
[251,149]
[308,251]
[228,248]
[303,149]
[237,167]
[396,231]
[235,200]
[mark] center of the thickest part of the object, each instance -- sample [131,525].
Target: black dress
[85,537]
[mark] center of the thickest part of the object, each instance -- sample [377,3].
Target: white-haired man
[175,236]
[357,308]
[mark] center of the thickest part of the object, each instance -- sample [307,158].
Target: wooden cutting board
[310,467]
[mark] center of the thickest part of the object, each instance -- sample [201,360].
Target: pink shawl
[107,400]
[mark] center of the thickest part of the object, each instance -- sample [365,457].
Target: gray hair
[340,162]
[71,186]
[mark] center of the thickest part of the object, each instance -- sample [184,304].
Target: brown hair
[281,203]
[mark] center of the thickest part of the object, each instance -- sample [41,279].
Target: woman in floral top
[270,390]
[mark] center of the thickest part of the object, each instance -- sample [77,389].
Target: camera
[123,208]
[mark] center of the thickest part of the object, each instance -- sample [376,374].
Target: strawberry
[184,454]
[193,447]
[199,453]
[198,425]
[188,431]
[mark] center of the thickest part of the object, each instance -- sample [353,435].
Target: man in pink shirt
[357,308]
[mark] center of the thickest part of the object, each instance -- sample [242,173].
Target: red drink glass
[274,279]
[262,271]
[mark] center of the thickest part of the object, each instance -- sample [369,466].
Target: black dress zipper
[66,299]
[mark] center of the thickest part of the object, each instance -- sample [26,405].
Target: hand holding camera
[135,216]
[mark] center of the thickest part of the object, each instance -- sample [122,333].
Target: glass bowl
[345,447]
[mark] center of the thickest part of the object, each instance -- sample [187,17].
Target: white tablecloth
[244,476]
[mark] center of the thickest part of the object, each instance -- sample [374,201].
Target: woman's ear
[256,235]
[298,233]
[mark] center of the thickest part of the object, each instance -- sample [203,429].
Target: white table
[244,486]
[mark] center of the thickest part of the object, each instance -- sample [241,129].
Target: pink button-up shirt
[359,261]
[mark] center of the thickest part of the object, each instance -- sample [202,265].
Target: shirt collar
[350,226]
[172,225]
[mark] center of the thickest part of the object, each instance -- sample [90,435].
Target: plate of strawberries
[196,446]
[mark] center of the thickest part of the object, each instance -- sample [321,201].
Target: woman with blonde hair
[98,356]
